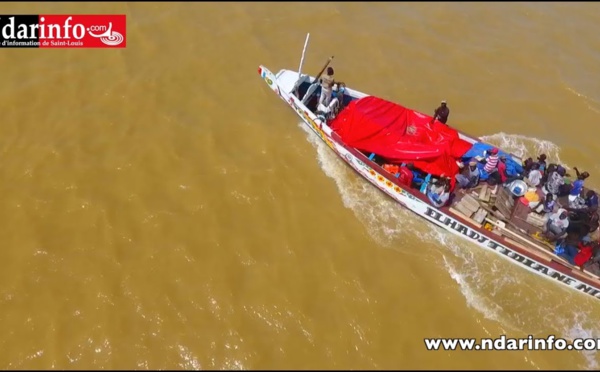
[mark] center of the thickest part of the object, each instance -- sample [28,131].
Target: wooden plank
[468,219]
[480,215]
[464,210]
[471,200]
[535,220]
[494,191]
[470,203]
[488,195]
[483,191]
[505,211]
[496,214]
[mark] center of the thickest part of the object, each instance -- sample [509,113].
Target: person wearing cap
[470,177]
[491,161]
[441,113]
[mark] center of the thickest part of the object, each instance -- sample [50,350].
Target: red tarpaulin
[400,135]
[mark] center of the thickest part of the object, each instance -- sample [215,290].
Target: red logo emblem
[63,31]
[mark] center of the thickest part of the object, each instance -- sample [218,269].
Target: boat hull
[411,200]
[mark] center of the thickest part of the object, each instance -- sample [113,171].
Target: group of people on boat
[570,211]
[571,214]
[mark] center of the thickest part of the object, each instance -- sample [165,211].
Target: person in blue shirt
[591,200]
[577,186]
[549,203]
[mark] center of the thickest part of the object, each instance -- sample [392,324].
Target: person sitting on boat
[584,255]
[557,225]
[576,255]
[534,177]
[508,172]
[593,228]
[491,161]
[593,234]
[469,177]
[565,250]
[439,192]
[585,210]
[542,162]
[549,170]
[441,113]
[591,201]
[549,203]
[527,165]
[337,103]
[502,169]
[593,265]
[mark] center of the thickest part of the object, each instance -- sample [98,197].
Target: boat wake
[524,146]
[519,302]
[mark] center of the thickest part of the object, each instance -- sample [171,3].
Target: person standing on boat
[542,162]
[441,113]
[327,83]
[534,177]
[470,177]
[577,186]
[555,180]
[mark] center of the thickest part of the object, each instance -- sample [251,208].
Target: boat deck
[495,209]
[517,215]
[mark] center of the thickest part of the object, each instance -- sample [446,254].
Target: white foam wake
[499,290]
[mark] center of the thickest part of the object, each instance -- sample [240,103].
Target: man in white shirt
[535,176]
[557,224]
